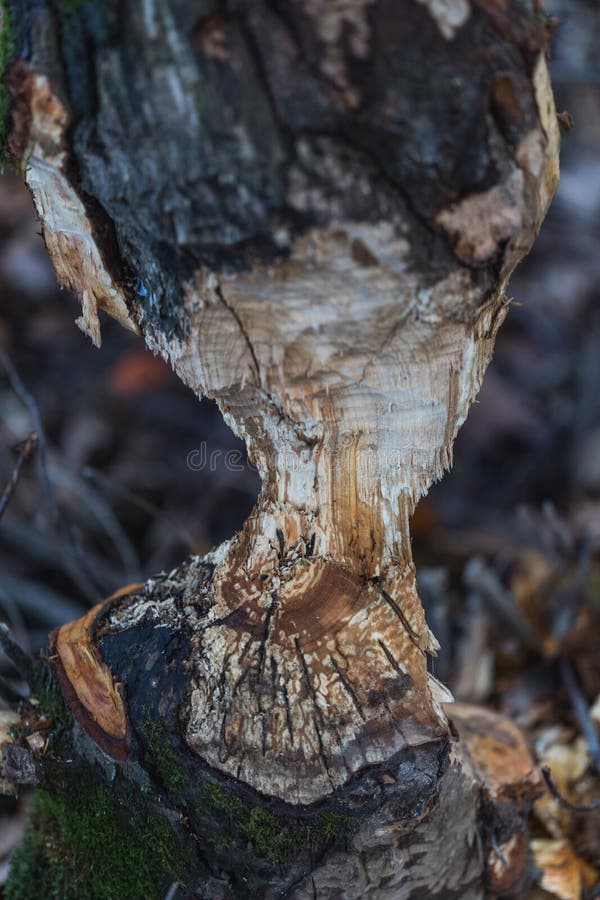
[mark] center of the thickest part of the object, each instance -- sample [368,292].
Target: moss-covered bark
[128,831]
[83,843]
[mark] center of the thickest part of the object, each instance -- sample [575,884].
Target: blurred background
[131,473]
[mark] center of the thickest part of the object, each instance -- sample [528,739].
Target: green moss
[83,847]
[163,754]
[7,51]
[7,41]
[330,824]
[261,827]
[275,837]
[70,7]
[44,687]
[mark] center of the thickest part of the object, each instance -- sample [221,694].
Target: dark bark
[312,210]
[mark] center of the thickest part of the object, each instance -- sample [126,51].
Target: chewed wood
[312,211]
[347,364]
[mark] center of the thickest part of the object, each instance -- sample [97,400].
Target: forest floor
[130,474]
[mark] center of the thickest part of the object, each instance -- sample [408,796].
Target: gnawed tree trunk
[311,210]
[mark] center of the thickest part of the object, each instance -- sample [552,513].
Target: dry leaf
[564,874]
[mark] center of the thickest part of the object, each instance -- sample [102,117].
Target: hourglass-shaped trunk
[312,211]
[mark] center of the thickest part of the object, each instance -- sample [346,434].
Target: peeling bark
[312,211]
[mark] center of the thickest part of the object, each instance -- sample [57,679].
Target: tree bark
[312,210]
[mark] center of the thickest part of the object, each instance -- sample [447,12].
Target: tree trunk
[312,211]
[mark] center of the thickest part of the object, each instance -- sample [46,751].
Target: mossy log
[312,210]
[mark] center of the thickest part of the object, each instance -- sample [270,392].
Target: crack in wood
[391,659]
[414,637]
[318,714]
[262,648]
[236,317]
[288,712]
[348,688]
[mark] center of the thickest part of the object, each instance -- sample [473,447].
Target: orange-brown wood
[87,683]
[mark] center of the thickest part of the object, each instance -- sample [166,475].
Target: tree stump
[312,211]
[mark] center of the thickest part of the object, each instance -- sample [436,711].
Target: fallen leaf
[564,874]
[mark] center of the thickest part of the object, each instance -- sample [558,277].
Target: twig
[105,517]
[37,599]
[473,669]
[570,601]
[572,807]
[46,549]
[10,693]
[151,509]
[12,613]
[482,579]
[581,710]
[20,660]
[25,451]
[34,414]
[87,580]
[560,534]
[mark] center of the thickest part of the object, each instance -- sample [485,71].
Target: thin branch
[31,406]
[104,515]
[20,660]
[592,806]
[562,538]
[35,598]
[25,451]
[581,710]
[45,549]
[570,602]
[10,693]
[146,506]
[87,579]
[481,578]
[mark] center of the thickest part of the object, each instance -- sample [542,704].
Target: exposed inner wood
[88,683]
[348,378]
[346,363]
